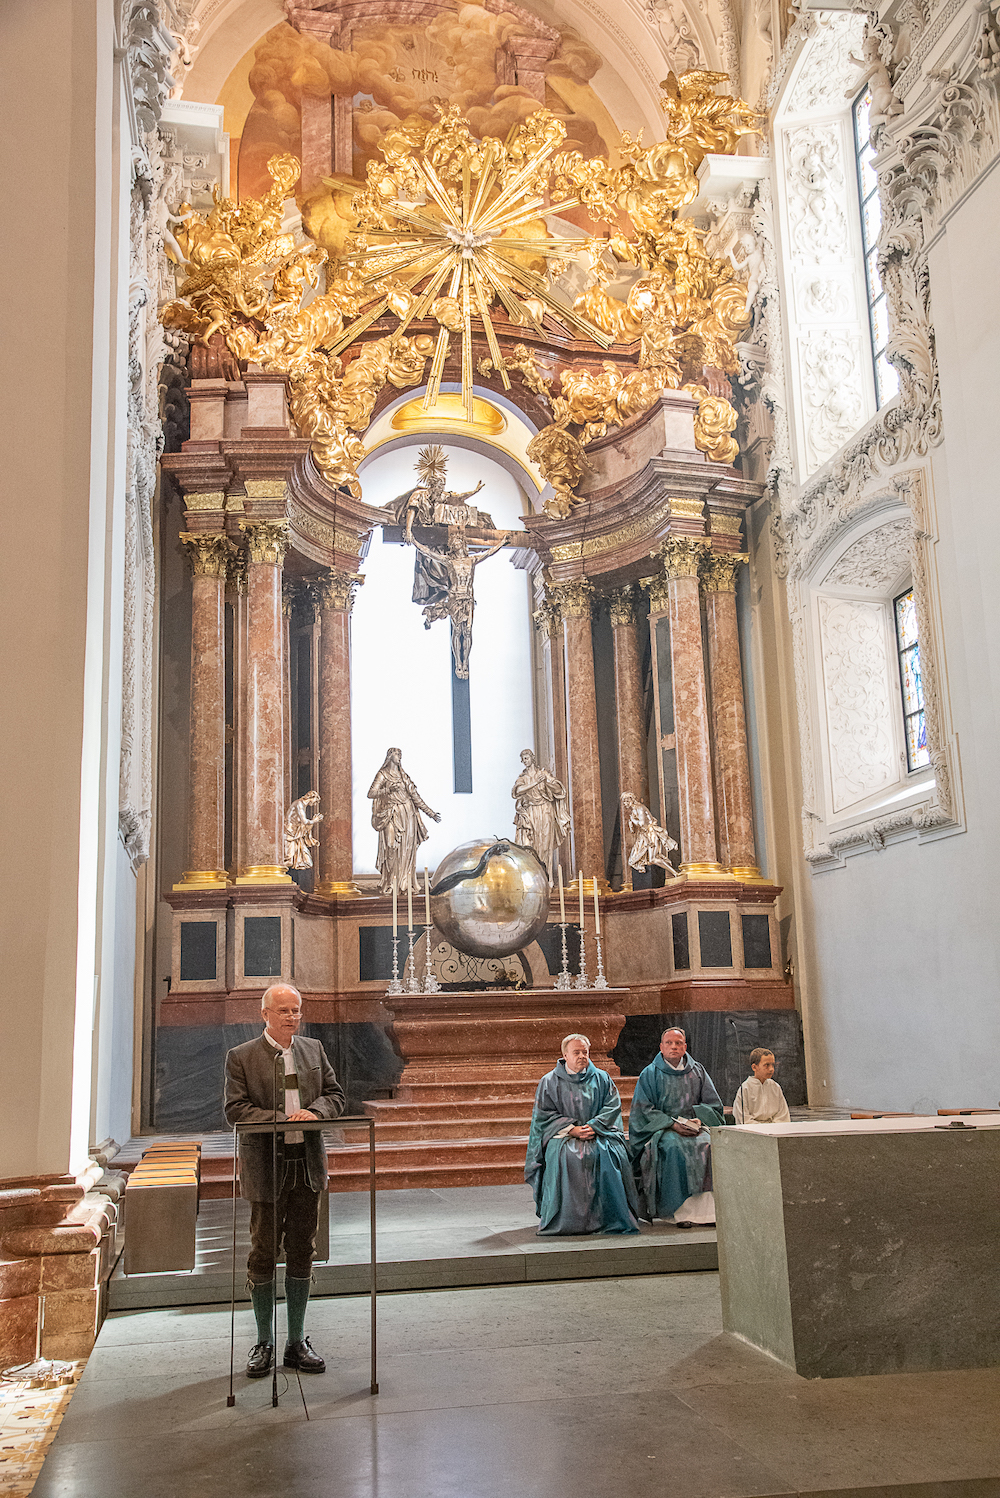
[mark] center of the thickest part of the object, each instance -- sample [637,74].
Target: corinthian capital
[621,606]
[573,599]
[658,589]
[267,541]
[718,574]
[209,554]
[336,590]
[682,555]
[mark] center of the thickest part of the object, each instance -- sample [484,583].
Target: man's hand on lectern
[303,1115]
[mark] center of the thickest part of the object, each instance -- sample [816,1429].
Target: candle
[394,920]
[409,906]
[579,880]
[562,899]
[427,900]
[597,910]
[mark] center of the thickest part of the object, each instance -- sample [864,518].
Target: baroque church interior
[415,400]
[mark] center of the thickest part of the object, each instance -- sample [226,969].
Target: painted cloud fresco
[394,71]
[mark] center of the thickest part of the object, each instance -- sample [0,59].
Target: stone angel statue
[652,843]
[541,817]
[299,836]
[396,809]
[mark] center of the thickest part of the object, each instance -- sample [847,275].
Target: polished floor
[561,1390]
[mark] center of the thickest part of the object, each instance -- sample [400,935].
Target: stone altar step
[485,1089]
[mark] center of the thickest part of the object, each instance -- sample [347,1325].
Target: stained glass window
[910,682]
[886,380]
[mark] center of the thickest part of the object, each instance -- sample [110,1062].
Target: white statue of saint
[396,808]
[541,817]
[299,836]
[653,843]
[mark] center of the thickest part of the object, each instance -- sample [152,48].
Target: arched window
[886,380]
[910,681]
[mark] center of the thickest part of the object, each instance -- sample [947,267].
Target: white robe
[760,1102]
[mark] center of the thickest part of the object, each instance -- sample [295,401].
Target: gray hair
[568,1038]
[275,987]
[674,1030]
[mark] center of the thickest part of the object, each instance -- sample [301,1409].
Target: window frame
[918,712]
[869,254]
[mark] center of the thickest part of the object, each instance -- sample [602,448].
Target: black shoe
[683,1224]
[259,1361]
[301,1356]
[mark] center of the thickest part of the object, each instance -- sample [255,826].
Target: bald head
[281,1006]
[673,1044]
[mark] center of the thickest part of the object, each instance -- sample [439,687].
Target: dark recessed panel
[716,941]
[262,946]
[199,946]
[756,941]
[375,952]
[679,931]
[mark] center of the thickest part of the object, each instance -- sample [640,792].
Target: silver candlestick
[564,980]
[582,981]
[395,986]
[412,982]
[431,984]
[600,981]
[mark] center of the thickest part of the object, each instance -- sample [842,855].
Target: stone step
[484,1089]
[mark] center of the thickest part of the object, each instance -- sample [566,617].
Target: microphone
[739,1054]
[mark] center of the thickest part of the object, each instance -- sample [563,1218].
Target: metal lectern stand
[273,1129]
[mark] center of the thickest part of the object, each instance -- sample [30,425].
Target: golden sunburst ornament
[450,225]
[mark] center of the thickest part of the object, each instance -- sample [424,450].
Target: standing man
[293,1072]
[760,1099]
[674,1106]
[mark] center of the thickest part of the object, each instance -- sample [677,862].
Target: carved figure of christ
[460,565]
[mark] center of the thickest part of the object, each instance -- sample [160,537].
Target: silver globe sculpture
[490,898]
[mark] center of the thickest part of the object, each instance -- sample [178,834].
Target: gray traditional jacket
[253,1071]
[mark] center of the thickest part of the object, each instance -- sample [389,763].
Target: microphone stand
[274,1223]
[739,1057]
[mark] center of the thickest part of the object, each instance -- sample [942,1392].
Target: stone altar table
[861,1246]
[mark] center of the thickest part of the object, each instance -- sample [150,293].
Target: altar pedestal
[862,1246]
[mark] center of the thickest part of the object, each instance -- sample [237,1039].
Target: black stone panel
[262,946]
[199,951]
[550,941]
[375,951]
[715,938]
[756,940]
[679,932]
[722,1042]
[191,1064]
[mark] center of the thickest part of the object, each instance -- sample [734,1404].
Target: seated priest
[674,1105]
[760,1099]
[577,1162]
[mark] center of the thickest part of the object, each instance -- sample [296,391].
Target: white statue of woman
[653,843]
[299,837]
[396,808]
[541,818]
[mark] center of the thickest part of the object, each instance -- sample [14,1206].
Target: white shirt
[291,1103]
[760,1102]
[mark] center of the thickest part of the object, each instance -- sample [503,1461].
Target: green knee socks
[262,1298]
[296,1300]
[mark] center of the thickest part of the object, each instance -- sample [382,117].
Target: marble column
[549,622]
[732,762]
[682,557]
[209,556]
[633,767]
[334,594]
[574,603]
[264,777]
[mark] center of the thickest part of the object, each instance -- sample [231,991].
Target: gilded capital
[682,555]
[621,606]
[209,554]
[547,617]
[574,599]
[658,589]
[718,573]
[336,590]
[267,541]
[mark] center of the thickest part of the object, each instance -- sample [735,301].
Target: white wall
[401,672]
[901,945]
